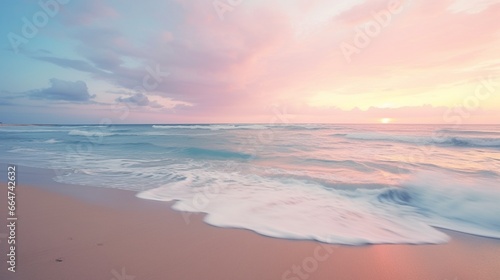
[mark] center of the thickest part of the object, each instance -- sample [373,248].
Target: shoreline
[79,232]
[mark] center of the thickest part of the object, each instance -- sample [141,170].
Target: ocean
[340,184]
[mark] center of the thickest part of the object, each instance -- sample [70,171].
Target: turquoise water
[347,184]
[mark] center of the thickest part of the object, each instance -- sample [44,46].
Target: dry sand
[84,233]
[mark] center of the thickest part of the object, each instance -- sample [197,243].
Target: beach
[250,140]
[76,232]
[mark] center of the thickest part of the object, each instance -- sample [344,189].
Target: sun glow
[385,120]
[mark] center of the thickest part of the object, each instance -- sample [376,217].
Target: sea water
[343,184]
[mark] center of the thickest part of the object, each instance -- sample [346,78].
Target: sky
[250,61]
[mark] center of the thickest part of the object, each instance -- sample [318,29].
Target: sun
[385,120]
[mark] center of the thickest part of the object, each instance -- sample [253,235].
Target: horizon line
[272,124]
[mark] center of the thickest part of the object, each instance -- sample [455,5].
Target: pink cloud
[236,68]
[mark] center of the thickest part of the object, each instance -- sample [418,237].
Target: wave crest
[296,209]
[89,133]
[423,140]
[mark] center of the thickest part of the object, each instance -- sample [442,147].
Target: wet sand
[80,232]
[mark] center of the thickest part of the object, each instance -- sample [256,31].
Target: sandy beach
[250,140]
[81,232]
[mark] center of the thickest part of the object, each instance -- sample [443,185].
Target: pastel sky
[250,61]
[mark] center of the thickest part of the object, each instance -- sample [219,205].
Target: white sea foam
[51,141]
[212,126]
[422,140]
[23,150]
[86,133]
[15,129]
[247,126]
[296,209]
